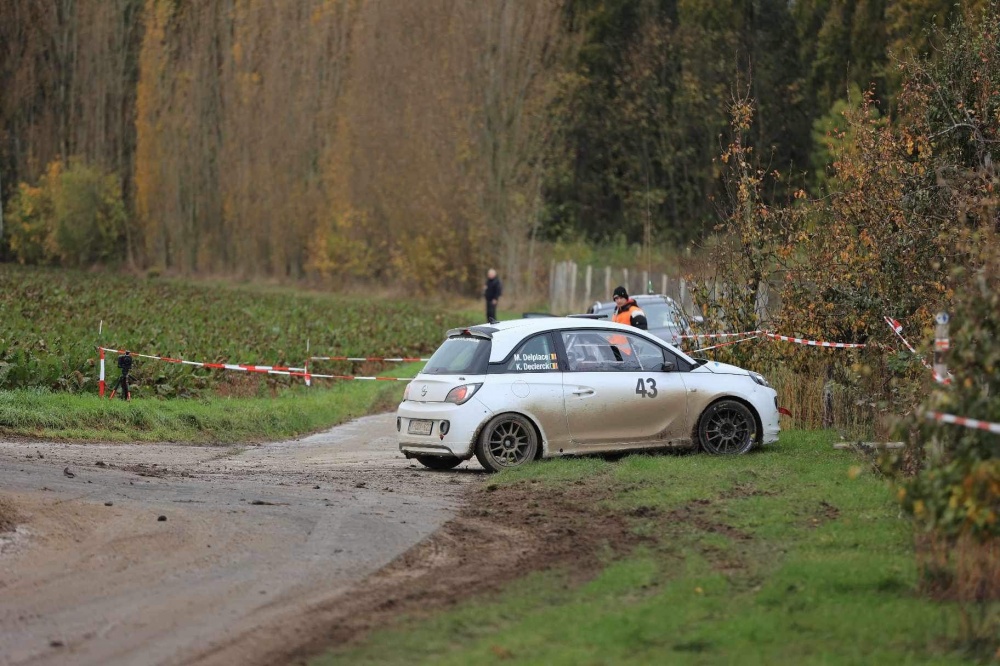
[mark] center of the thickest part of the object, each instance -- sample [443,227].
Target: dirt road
[171,554]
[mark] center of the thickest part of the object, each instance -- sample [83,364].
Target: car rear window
[462,355]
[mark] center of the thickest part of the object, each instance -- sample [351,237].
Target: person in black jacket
[492,294]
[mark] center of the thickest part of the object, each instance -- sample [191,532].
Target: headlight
[759,378]
[461,394]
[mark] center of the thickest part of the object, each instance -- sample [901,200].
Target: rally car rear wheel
[508,440]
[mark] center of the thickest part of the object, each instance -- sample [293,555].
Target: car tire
[438,462]
[727,427]
[507,441]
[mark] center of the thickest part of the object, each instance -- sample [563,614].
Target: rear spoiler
[588,316]
[484,332]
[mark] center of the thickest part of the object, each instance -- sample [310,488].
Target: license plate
[420,427]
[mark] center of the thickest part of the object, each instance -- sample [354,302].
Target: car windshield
[462,355]
[661,315]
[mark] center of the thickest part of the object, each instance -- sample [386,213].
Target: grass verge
[291,413]
[796,555]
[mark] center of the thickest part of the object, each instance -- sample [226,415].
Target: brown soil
[503,533]
[9,516]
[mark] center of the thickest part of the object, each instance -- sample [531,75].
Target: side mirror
[668,366]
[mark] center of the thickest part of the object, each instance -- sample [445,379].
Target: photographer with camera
[125,365]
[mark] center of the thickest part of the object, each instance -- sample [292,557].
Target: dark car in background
[664,316]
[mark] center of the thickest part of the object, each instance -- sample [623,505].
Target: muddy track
[267,555]
[167,554]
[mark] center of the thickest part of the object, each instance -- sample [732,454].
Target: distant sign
[941,318]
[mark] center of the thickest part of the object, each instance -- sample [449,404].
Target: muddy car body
[519,390]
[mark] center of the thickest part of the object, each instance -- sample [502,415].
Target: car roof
[509,333]
[639,299]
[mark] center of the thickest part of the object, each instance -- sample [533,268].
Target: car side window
[609,351]
[650,356]
[535,355]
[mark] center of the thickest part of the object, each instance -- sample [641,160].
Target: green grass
[809,562]
[50,318]
[293,412]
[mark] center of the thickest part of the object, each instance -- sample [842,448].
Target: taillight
[461,394]
[406,391]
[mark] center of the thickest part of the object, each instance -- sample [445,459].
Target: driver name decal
[530,362]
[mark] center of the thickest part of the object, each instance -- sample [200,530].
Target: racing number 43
[646,388]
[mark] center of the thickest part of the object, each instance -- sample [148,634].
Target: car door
[617,393]
[529,382]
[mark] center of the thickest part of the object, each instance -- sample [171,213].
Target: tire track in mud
[157,554]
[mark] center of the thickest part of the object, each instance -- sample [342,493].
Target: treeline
[413,142]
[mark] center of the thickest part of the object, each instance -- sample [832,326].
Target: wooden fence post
[586,295]
[553,278]
[572,287]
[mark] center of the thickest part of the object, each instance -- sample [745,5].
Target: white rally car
[524,389]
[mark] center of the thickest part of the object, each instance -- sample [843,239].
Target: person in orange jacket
[626,310]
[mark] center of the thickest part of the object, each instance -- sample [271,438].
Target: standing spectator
[492,294]
[626,310]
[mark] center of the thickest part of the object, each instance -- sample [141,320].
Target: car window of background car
[536,354]
[661,315]
[460,356]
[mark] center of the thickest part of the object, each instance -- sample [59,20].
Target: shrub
[74,217]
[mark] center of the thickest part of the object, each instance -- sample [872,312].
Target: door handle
[584,391]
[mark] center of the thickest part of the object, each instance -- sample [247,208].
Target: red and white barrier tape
[774,336]
[268,369]
[369,358]
[814,343]
[962,421]
[698,336]
[371,379]
[725,344]
[897,328]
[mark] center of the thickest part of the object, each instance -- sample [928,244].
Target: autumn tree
[434,171]
[236,116]
[68,71]
[644,119]
[954,498]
